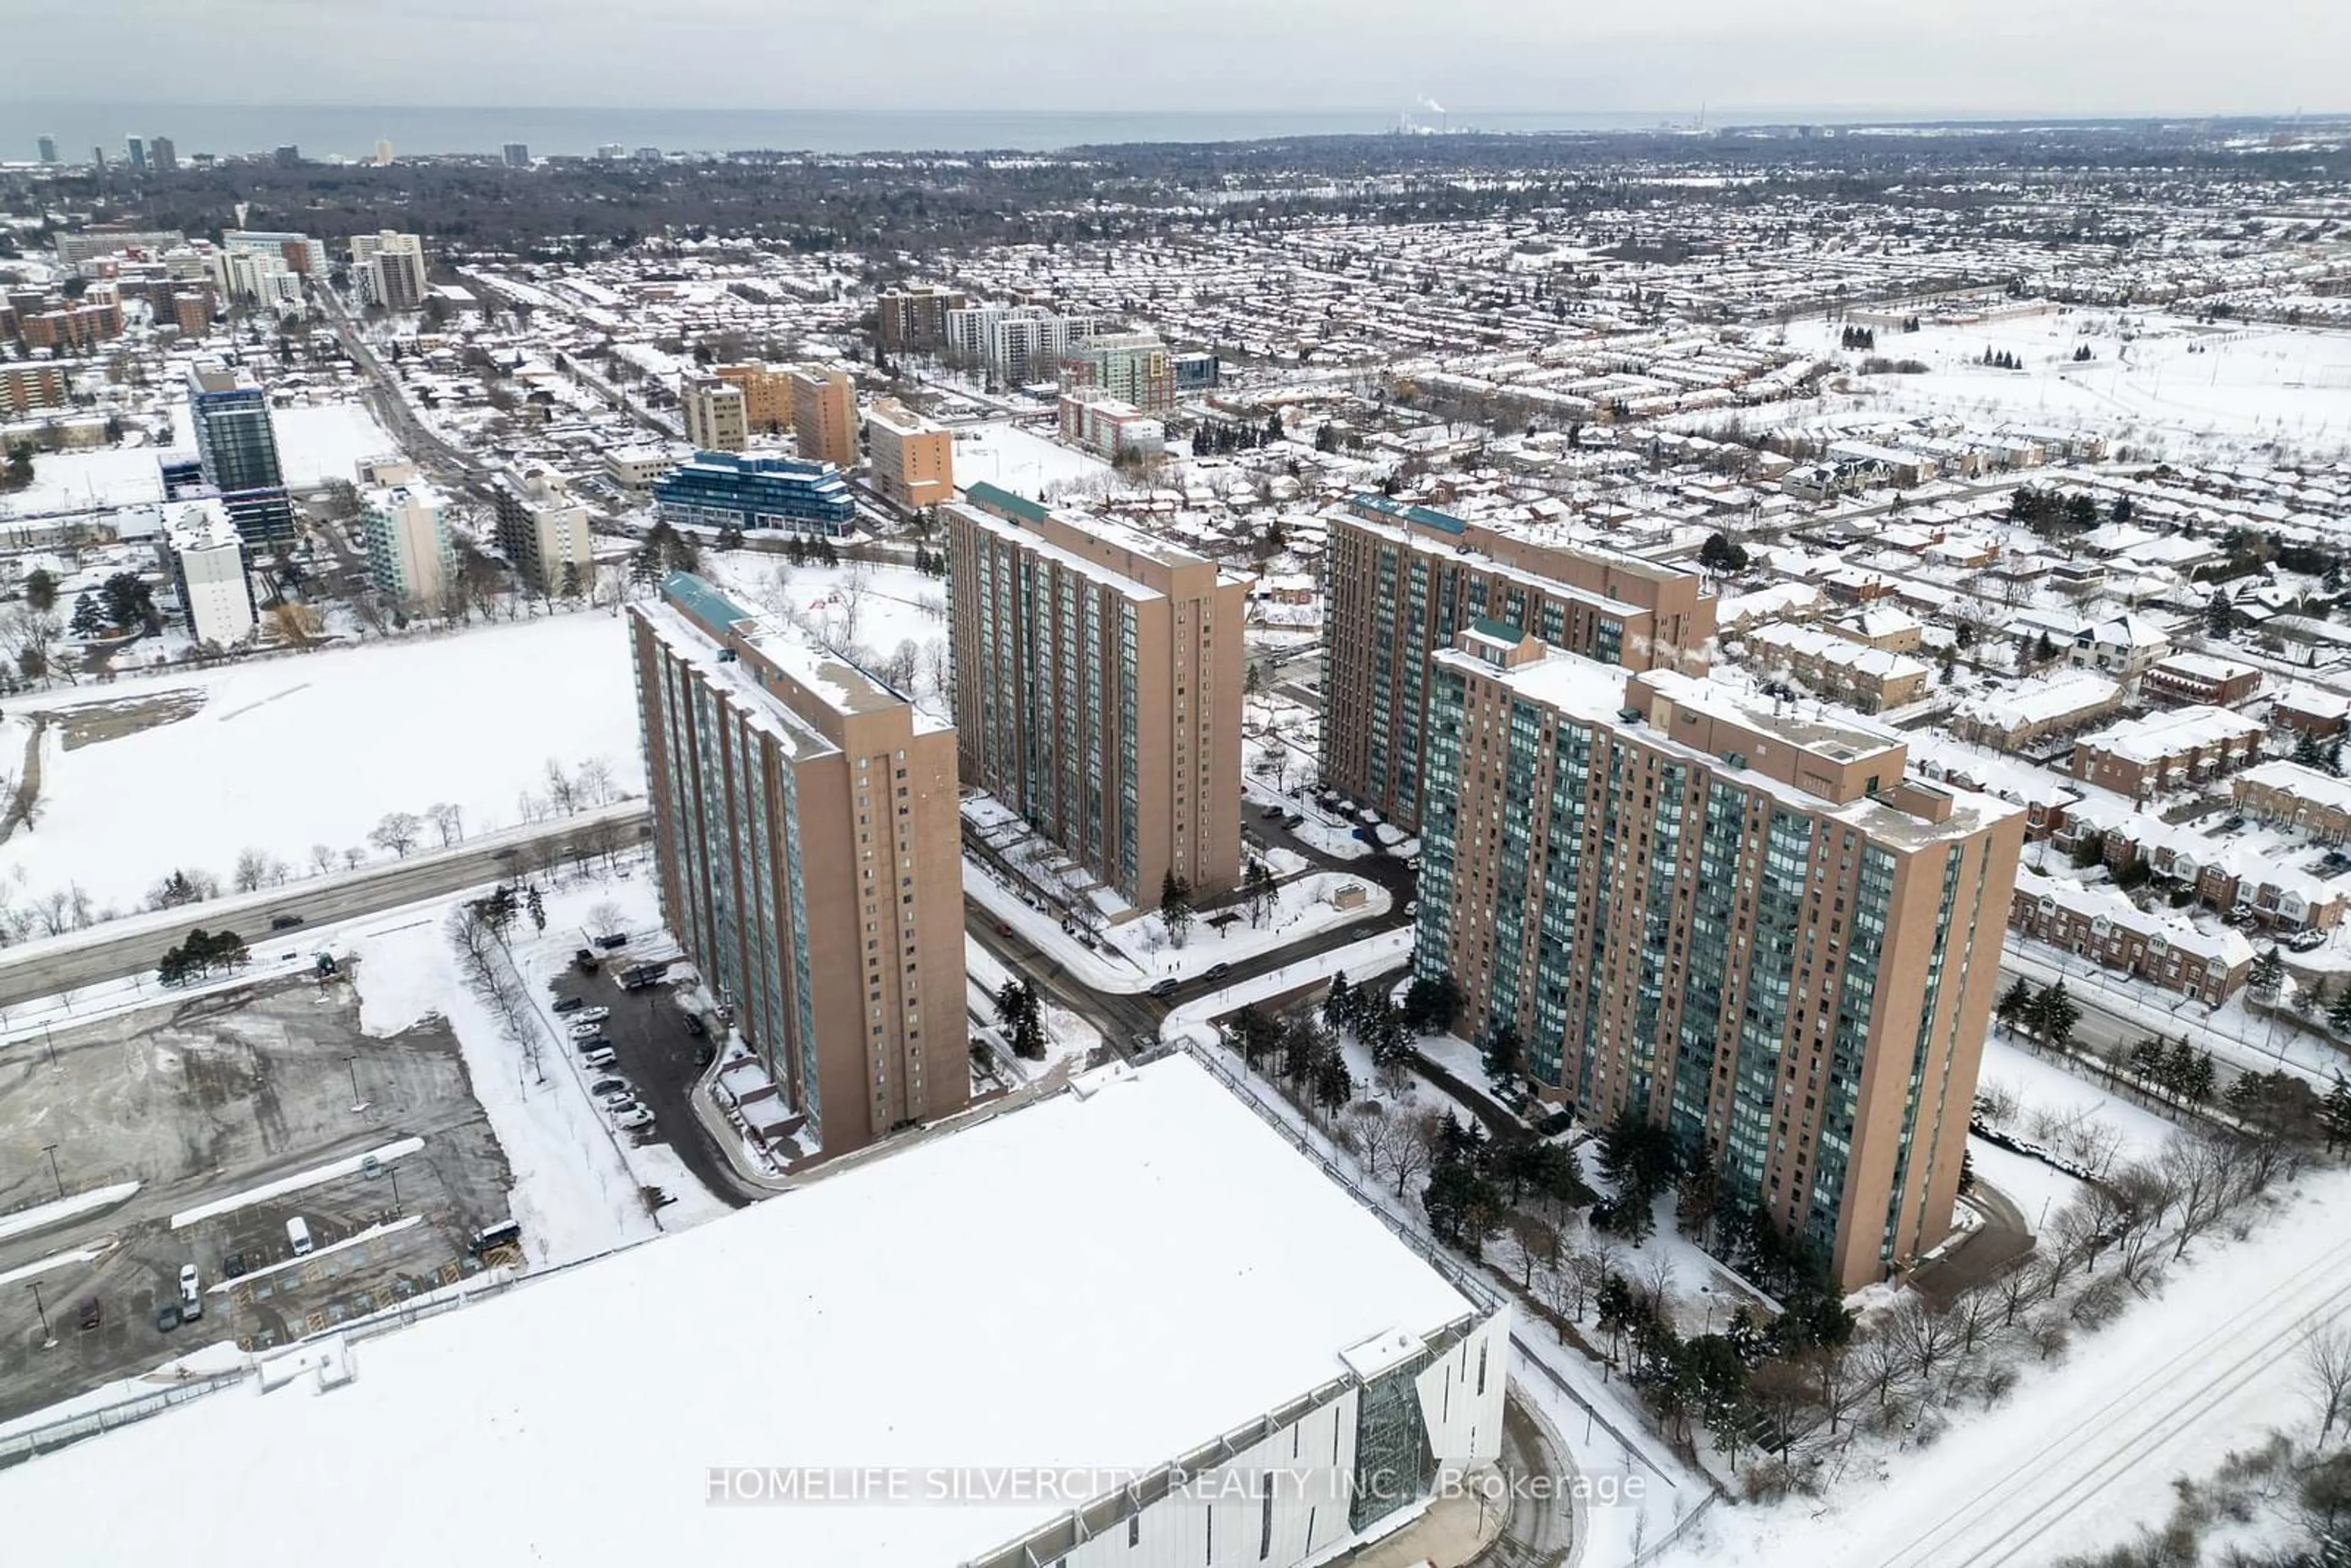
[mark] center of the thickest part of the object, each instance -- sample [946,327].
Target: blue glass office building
[748,491]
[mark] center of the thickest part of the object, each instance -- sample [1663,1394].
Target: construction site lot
[190,1132]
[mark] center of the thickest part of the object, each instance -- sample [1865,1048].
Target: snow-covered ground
[2145,385]
[316,443]
[317,1176]
[314,749]
[882,612]
[1026,464]
[58,1210]
[1137,955]
[1068,1037]
[576,1184]
[2085,1451]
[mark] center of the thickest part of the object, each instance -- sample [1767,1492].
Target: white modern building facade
[206,556]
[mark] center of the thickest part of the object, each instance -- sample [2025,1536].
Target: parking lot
[661,1058]
[208,1099]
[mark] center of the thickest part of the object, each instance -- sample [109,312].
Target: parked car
[598,1059]
[284,922]
[583,1044]
[603,1086]
[1166,988]
[617,939]
[1293,820]
[233,1266]
[167,1317]
[570,1004]
[1216,971]
[619,1100]
[192,1294]
[298,1236]
[88,1314]
[2304,941]
[694,1025]
[585,1028]
[584,961]
[507,1233]
[632,1116]
[592,1015]
[1270,813]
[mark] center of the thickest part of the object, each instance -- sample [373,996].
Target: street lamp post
[393,1172]
[352,1063]
[51,1150]
[48,1340]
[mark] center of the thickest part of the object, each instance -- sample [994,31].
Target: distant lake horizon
[324,132]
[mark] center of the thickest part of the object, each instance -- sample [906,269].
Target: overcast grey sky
[2190,57]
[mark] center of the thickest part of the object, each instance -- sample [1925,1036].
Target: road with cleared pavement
[127,946]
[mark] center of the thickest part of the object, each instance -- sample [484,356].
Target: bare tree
[2327,1374]
[1925,1337]
[447,819]
[904,661]
[1538,1245]
[353,858]
[251,870]
[605,919]
[562,792]
[322,859]
[1414,1154]
[595,781]
[2203,1172]
[396,834]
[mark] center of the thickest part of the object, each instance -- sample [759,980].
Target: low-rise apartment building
[2032,711]
[2183,679]
[1401,582]
[1855,673]
[2316,804]
[808,843]
[727,489]
[1110,427]
[2180,749]
[2102,925]
[1098,690]
[912,459]
[635,468]
[2314,711]
[29,385]
[1132,366]
[1746,926]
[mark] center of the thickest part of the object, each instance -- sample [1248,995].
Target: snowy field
[315,443]
[2144,385]
[1024,462]
[314,749]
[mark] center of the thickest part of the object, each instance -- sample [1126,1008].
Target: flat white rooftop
[1107,1279]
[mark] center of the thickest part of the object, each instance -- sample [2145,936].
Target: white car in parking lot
[589,1015]
[585,1028]
[632,1116]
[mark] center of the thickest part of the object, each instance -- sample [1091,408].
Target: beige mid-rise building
[715,417]
[767,395]
[1747,926]
[1098,690]
[545,532]
[914,460]
[824,415]
[1402,580]
[807,833]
